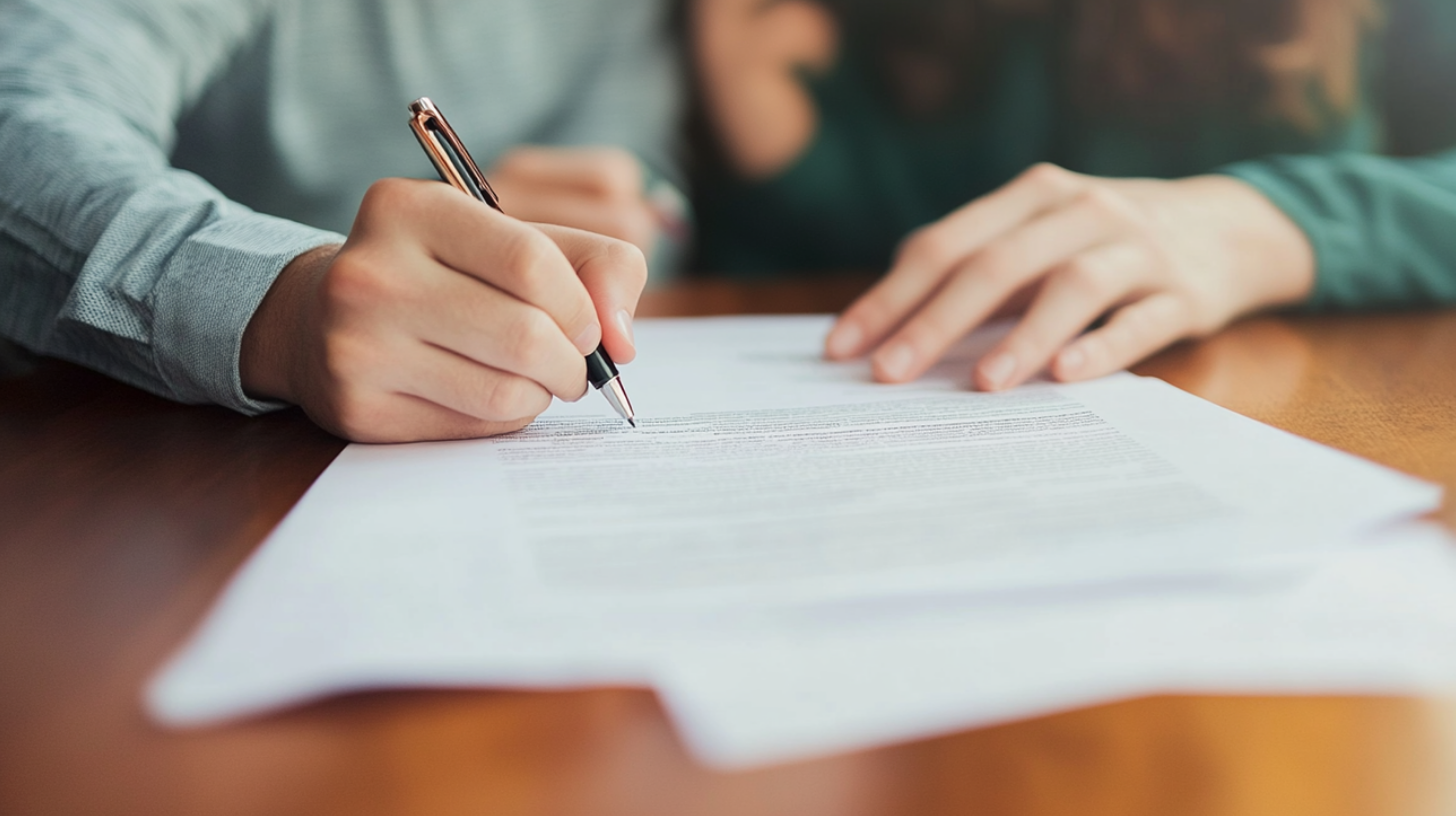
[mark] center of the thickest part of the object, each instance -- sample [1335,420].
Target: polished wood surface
[121,515]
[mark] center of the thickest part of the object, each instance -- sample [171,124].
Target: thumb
[614,273]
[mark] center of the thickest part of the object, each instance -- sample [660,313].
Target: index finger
[614,273]
[936,251]
[510,255]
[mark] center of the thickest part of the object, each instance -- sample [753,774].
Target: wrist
[274,337]
[1268,249]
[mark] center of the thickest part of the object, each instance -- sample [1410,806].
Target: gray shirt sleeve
[630,93]
[109,256]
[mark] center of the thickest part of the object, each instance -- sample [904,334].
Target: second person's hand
[440,318]
[1160,260]
[598,189]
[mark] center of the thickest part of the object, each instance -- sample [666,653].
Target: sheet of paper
[761,473]
[1379,620]
[765,485]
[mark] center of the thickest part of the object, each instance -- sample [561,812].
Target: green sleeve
[1383,229]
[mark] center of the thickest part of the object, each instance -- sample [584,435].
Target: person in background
[1137,171]
[178,177]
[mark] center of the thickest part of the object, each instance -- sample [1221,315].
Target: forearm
[1383,230]
[108,256]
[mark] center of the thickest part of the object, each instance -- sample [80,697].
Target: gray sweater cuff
[208,293]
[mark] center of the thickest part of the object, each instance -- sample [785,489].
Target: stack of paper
[801,561]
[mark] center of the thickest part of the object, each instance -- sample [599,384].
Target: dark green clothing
[1384,228]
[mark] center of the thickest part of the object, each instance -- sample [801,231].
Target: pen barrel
[600,369]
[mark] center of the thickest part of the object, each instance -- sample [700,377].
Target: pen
[452,161]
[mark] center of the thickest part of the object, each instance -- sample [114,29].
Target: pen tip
[632,422]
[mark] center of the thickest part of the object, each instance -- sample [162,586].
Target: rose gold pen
[452,161]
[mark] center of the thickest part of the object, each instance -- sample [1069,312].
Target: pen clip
[452,161]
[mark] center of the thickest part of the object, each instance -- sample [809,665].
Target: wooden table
[121,515]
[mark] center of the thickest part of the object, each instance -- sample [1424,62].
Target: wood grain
[121,516]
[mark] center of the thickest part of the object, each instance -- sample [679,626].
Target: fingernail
[997,370]
[589,339]
[1072,359]
[895,362]
[844,340]
[624,323]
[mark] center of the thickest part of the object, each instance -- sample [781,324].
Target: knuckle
[1139,328]
[999,264]
[625,258]
[1108,204]
[1133,323]
[930,246]
[1100,199]
[391,195]
[537,399]
[525,250]
[1094,346]
[511,398]
[531,336]
[1050,178]
[1085,276]
[382,191]
[499,399]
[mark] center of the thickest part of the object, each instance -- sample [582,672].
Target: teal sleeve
[1383,229]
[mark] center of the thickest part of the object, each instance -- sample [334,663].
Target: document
[767,492]
[734,498]
[761,472]
[1374,620]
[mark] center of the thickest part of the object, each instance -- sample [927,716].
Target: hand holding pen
[440,318]
[456,168]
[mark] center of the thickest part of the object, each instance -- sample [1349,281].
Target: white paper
[543,559]
[761,473]
[1379,620]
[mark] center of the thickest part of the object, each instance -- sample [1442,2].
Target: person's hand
[597,189]
[440,318]
[1159,260]
[751,56]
